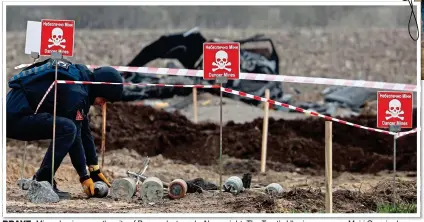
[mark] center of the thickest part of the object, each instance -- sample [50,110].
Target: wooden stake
[328,167]
[265,133]
[195,104]
[103,133]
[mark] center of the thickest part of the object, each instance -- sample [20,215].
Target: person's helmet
[111,93]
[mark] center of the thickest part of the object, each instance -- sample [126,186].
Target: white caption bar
[214,220]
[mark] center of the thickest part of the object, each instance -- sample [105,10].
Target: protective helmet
[111,93]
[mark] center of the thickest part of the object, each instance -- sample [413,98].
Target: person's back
[30,85]
[73,135]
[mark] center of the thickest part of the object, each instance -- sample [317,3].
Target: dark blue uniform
[73,135]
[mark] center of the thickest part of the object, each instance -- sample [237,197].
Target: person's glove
[87,185]
[96,175]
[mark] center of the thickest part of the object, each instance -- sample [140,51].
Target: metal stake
[220,80]
[54,122]
[396,129]
[55,56]
[220,137]
[394,172]
[35,56]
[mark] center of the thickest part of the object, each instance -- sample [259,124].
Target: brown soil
[310,200]
[298,142]
[295,201]
[303,192]
[181,149]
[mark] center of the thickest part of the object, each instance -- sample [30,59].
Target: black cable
[416,22]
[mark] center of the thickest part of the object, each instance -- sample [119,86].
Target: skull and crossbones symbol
[394,110]
[57,38]
[221,61]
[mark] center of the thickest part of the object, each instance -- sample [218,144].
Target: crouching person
[73,134]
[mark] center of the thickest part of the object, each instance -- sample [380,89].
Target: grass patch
[400,208]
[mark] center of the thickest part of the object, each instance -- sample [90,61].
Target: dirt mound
[299,142]
[345,201]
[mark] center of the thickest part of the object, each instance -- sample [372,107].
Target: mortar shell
[101,189]
[177,189]
[235,182]
[151,189]
[124,188]
[274,188]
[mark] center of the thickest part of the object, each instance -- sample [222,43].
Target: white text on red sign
[57,36]
[221,60]
[394,108]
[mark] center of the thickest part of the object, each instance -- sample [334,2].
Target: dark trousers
[40,127]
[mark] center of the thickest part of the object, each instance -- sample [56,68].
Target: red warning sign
[221,59]
[57,36]
[394,108]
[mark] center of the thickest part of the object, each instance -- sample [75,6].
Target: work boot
[62,194]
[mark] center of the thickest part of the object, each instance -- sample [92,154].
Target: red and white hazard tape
[136,84]
[126,84]
[44,97]
[265,77]
[401,134]
[311,113]
[239,93]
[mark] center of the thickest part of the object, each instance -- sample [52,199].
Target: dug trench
[182,149]
[299,143]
